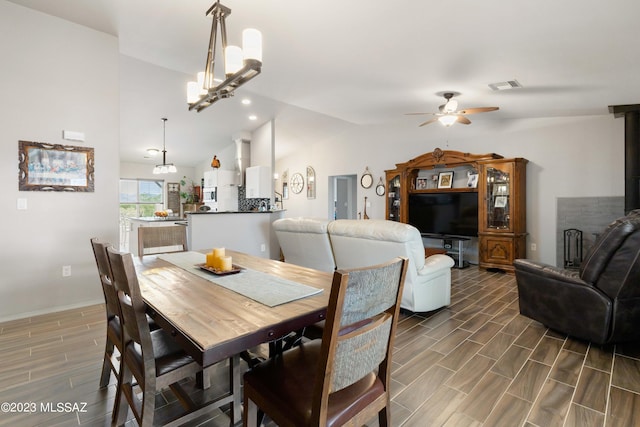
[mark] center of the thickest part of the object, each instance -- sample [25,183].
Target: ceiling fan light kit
[449,114]
[448,119]
[240,65]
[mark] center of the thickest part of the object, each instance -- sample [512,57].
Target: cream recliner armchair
[305,242]
[361,243]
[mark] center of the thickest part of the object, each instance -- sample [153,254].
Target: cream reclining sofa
[349,244]
[305,242]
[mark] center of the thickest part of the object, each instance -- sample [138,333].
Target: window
[140,197]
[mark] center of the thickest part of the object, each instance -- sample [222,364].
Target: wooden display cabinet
[501,192]
[393,195]
[502,212]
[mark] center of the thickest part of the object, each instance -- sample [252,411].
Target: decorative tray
[234,269]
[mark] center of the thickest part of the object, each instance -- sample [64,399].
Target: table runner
[261,287]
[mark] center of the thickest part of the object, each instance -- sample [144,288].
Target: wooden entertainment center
[501,187]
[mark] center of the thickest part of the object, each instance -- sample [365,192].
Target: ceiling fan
[449,113]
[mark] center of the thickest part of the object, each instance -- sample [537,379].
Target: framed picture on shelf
[472,182]
[500,190]
[501,202]
[445,179]
[421,183]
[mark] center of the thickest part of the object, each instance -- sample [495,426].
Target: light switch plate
[22,204]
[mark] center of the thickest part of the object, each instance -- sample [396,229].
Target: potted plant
[189,195]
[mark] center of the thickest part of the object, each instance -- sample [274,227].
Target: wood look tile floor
[476,363]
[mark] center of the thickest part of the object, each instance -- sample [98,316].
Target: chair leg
[235,379]
[203,379]
[106,364]
[384,417]
[121,404]
[148,405]
[251,413]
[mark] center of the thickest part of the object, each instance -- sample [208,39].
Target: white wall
[55,75]
[568,157]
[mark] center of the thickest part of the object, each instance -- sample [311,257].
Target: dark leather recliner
[601,301]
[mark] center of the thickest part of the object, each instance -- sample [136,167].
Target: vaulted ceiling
[368,62]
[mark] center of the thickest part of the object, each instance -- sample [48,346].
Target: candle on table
[211,260]
[218,252]
[225,263]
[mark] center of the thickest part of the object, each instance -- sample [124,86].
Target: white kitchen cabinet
[258,182]
[210,179]
[220,178]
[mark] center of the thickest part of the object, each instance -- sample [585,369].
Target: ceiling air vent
[509,84]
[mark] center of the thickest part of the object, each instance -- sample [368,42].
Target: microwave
[209,194]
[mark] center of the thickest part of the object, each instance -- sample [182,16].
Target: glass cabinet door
[498,198]
[393,198]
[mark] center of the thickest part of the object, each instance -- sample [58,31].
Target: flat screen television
[451,214]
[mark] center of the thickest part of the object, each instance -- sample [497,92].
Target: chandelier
[164,167]
[240,65]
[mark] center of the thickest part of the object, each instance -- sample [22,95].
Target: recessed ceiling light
[246,101]
[253,117]
[152,152]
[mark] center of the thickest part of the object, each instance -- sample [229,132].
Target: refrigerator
[220,191]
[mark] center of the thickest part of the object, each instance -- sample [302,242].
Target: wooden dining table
[213,323]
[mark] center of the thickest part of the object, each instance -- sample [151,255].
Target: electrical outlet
[534,247]
[66,270]
[263,247]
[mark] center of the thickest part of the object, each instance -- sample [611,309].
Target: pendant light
[164,167]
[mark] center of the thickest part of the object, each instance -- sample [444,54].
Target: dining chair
[112,360]
[113,345]
[345,376]
[168,238]
[153,360]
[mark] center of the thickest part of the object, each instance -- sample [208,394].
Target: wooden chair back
[152,357]
[132,306]
[104,272]
[359,331]
[170,238]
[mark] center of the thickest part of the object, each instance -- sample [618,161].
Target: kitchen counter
[235,212]
[251,234]
[155,218]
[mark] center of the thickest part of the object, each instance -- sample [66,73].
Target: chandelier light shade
[240,64]
[164,167]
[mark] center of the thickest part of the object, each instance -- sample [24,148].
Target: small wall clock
[380,188]
[296,183]
[366,180]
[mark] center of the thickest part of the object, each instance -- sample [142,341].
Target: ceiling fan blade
[435,119]
[478,110]
[462,119]
[419,114]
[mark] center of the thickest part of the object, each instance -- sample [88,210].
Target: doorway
[342,196]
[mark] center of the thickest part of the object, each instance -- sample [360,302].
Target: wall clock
[380,188]
[296,183]
[366,180]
